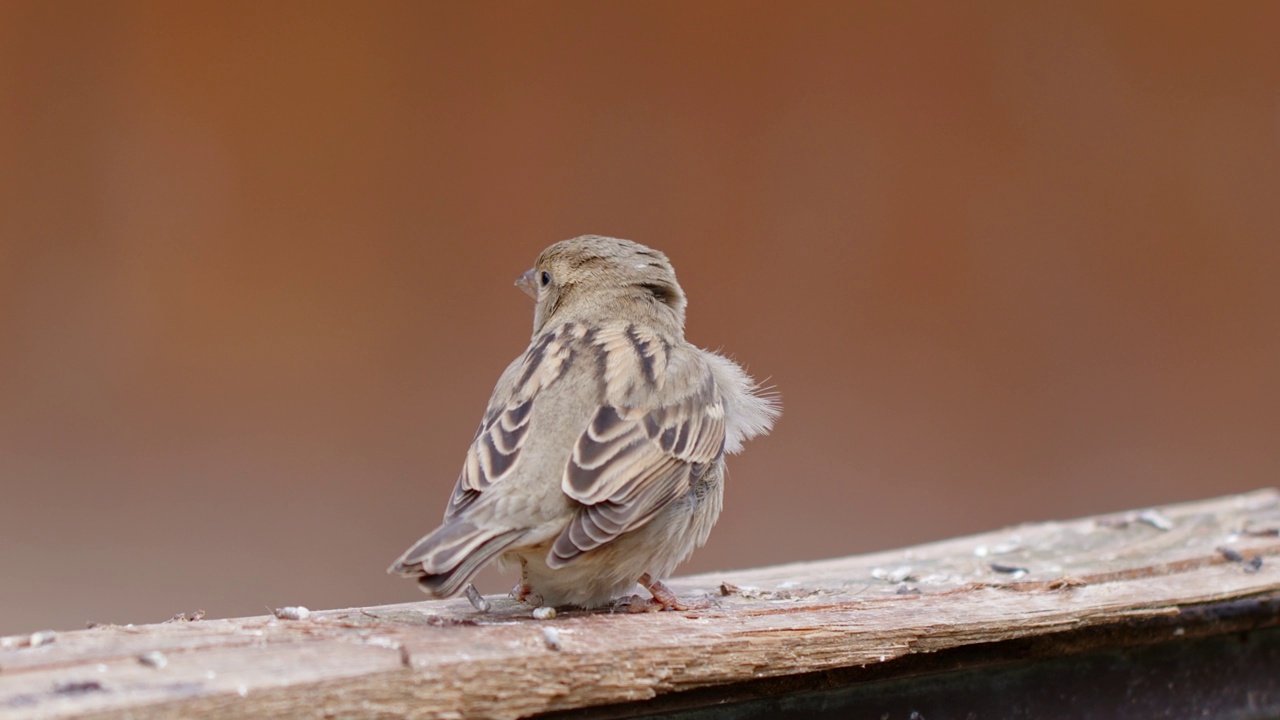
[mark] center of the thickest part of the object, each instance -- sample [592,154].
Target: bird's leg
[663,598]
[477,600]
[523,592]
[661,593]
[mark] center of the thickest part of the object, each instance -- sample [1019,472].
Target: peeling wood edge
[1182,623]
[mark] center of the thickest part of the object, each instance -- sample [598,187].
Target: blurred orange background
[1004,263]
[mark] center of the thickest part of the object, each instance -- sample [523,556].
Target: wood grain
[441,659]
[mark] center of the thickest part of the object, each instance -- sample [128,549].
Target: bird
[599,463]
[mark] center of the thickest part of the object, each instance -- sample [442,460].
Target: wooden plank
[444,660]
[1231,675]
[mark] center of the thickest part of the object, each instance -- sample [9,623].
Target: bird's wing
[496,447]
[660,426]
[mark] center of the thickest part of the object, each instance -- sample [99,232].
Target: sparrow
[600,460]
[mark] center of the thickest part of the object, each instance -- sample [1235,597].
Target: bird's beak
[525,282]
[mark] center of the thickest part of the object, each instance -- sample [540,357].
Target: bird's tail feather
[446,560]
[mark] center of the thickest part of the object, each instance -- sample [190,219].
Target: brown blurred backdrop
[1004,263]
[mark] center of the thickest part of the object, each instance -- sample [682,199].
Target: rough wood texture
[444,660]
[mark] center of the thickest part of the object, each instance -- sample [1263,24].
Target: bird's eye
[544,278]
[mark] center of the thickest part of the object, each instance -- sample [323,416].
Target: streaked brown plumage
[600,459]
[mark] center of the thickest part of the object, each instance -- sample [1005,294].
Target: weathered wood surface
[444,660]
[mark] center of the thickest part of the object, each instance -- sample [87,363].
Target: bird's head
[601,278]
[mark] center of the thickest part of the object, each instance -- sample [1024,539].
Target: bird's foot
[663,598]
[525,594]
[635,604]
